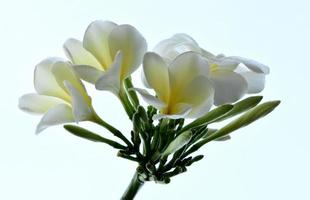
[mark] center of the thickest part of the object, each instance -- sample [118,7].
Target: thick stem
[133,188]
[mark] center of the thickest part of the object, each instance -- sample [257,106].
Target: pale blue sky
[268,160]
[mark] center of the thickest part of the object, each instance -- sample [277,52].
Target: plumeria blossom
[231,76]
[60,96]
[108,54]
[182,87]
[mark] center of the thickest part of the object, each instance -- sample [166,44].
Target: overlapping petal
[61,97]
[229,82]
[182,85]
[228,85]
[59,114]
[94,58]
[255,81]
[199,93]
[180,43]
[110,80]
[63,71]
[39,104]
[130,42]
[79,55]
[157,75]
[96,41]
[45,82]
[80,106]
[184,69]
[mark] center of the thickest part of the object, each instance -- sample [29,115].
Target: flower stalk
[133,188]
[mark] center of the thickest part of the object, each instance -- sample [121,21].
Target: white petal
[63,71]
[79,55]
[60,114]
[45,82]
[110,80]
[150,99]
[251,64]
[184,69]
[96,41]
[256,81]
[226,63]
[199,93]
[172,47]
[88,73]
[229,86]
[157,75]
[131,43]
[184,111]
[81,108]
[210,56]
[144,81]
[35,103]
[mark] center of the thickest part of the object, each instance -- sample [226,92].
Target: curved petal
[157,75]
[96,41]
[172,47]
[229,86]
[199,93]
[63,71]
[226,63]
[75,51]
[81,108]
[150,99]
[60,114]
[210,56]
[144,81]
[39,104]
[256,81]
[184,69]
[182,109]
[131,43]
[251,64]
[45,82]
[110,80]
[88,73]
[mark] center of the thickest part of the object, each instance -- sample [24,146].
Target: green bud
[142,114]
[178,143]
[86,134]
[241,107]
[210,117]
[247,118]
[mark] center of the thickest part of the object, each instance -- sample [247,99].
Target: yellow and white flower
[60,96]
[108,54]
[182,87]
[230,79]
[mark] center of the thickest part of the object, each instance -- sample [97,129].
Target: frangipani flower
[108,54]
[182,87]
[230,79]
[61,96]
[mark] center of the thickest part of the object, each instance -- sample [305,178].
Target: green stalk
[130,110]
[133,187]
[131,93]
[113,130]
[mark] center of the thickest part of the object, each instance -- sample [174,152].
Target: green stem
[113,130]
[132,94]
[126,103]
[133,187]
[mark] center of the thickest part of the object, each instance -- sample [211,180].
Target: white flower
[108,54]
[60,96]
[182,89]
[230,79]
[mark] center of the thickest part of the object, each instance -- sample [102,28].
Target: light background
[268,160]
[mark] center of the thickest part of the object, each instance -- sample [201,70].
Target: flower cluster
[186,80]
